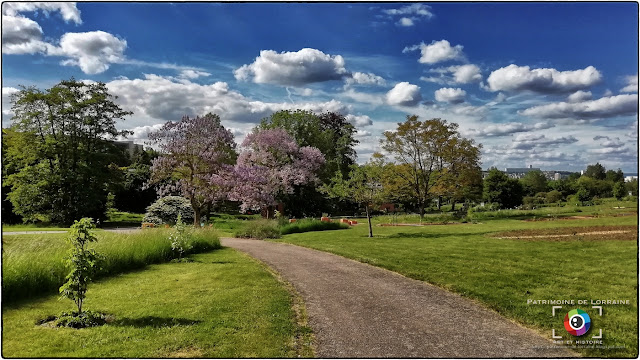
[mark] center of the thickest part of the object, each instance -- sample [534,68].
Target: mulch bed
[619,232]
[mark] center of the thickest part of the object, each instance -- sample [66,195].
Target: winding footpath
[358,310]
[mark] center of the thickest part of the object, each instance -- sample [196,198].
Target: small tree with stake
[83,262]
[363,186]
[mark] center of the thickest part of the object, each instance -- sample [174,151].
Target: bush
[306,225]
[166,210]
[81,320]
[259,229]
[553,196]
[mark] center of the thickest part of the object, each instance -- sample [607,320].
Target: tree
[619,190]
[63,150]
[364,186]
[463,178]
[632,187]
[553,196]
[197,155]
[499,188]
[614,176]
[596,171]
[534,182]
[430,151]
[83,262]
[269,167]
[330,133]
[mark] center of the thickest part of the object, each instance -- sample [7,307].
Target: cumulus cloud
[410,14]
[92,51]
[450,95]
[523,78]
[437,51]
[298,68]
[631,80]
[359,120]
[141,133]
[164,98]
[404,94]
[496,130]
[21,36]
[68,10]
[579,96]
[193,74]
[361,78]
[457,74]
[605,107]
[7,113]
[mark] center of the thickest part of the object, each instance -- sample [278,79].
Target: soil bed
[622,232]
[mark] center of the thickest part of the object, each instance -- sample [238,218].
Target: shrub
[81,320]
[180,238]
[553,196]
[259,229]
[166,210]
[306,225]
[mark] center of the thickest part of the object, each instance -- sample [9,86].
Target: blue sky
[553,85]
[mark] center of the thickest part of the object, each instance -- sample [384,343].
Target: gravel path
[358,310]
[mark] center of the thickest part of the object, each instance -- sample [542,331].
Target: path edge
[304,342]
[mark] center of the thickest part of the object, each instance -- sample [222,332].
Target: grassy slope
[503,274]
[222,305]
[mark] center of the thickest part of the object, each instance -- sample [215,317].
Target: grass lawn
[503,274]
[223,304]
[33,227]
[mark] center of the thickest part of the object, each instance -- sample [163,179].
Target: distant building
[630,177]
[129,146]
[518,173]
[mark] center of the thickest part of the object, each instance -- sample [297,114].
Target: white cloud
[437,51]
[496,130]
[450,95]
[21,36]
[361,78]
[92,51]
[359,120]
[579,96]
[366,98]
[7,113]
[413,9]
[405,21]
[164,98]
[522,78]
[631,80]
[456,74]
[605,107]
[404,94]
[293,68]
[141,133]
[68,10]
[193,74]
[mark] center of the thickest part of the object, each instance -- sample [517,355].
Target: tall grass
[259,229]
[33,265]
[305,225]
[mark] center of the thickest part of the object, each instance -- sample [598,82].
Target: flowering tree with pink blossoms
[270,165]
[197,157]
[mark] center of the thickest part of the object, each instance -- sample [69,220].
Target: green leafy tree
[534,182]
[82,260]
[501,189]
[596,171]
[632,187]
[431,153]
[553,196]
[614,176]
[61,151]
[583,195]
[363,186]
[619,190]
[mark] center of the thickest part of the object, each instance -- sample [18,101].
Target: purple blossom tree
[197,157]
[270,165]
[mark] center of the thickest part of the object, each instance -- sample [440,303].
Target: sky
[552,85]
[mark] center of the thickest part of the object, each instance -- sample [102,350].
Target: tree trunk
[421,211]
[453,205]
[369,220]
[196,217]
[439,202]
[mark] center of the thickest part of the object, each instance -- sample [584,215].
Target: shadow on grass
[429,235]
[154,321]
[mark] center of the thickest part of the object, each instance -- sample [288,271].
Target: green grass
[503,274]
[123,219]
[306,225]
[227,225]
[32,227]
[33,264]
[221,305]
